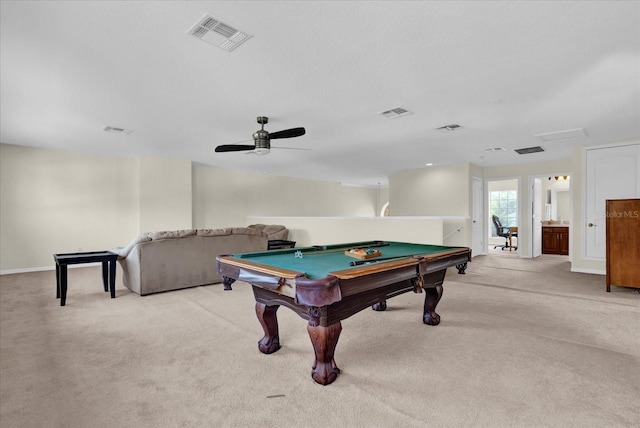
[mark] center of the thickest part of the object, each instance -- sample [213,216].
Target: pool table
[326,284]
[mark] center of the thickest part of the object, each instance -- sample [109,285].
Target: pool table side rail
[258,267]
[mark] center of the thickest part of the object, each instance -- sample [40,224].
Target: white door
[536,226]
[611,173]
[477,219]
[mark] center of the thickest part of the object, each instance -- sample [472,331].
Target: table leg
[63,285]
[380,306]
[112,279]
[324,339]
[267,316]
[57,281]
[105,276]
[433,289]
[227,281]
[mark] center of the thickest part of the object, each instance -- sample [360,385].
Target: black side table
[107,258]
[278,244]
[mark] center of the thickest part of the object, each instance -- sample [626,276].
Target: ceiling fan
[262,140]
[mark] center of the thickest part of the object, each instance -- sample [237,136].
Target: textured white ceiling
[505,71]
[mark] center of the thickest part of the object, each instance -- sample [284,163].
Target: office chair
[502,231]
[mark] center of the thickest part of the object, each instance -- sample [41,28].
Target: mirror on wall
[558,198]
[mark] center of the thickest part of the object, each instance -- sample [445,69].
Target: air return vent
[395,113]
[529,150]
[562,135]
[217,33]
[117,130]
[449,128]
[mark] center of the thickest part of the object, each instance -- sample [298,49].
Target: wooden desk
[513,231]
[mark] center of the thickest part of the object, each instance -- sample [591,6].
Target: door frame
[543,177]
[489,225]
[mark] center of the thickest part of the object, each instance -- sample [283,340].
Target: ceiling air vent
[117,130]
[395,113]
[562,135]
[449,128]
[217,33]
[529,150]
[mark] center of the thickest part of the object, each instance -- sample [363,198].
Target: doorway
[551,202]
[503,203]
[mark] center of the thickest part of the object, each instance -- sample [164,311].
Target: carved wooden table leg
[462,267]
[227,282]
[324,339]
[380,306]
[267,316]
[431,299]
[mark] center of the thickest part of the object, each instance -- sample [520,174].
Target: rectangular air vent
[395,113]
[562,135]
[449,128]
[117,130]
[217,33]
[529,150]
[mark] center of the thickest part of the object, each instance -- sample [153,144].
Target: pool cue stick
[382,259]
[342,249]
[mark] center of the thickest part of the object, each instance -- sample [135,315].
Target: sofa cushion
[214,232]
[245,231]
[171,234]
[124,252]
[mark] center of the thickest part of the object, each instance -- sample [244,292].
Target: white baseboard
[44,268]
[591,271]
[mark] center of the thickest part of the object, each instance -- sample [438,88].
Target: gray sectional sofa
[170,260]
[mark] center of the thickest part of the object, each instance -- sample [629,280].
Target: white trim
[45,268]
[392,217]
[590,271]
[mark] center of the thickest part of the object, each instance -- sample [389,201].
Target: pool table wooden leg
[433,289]
[431,299]
[267,316]
[324,339]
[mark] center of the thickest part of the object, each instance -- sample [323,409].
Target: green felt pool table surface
[318,261]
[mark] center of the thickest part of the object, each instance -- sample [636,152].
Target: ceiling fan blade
[234,148]
[287,133]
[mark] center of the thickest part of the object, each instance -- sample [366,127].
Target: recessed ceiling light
[494,149]
[429,164]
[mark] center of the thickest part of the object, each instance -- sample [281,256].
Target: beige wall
[55,201]
[223,197]
[306,231]
[436,191]
[165,194]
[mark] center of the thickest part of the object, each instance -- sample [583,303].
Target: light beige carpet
[522,343]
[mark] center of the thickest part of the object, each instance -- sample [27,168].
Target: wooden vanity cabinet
[555,240]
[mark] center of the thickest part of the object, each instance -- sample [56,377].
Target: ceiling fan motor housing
[262,139]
